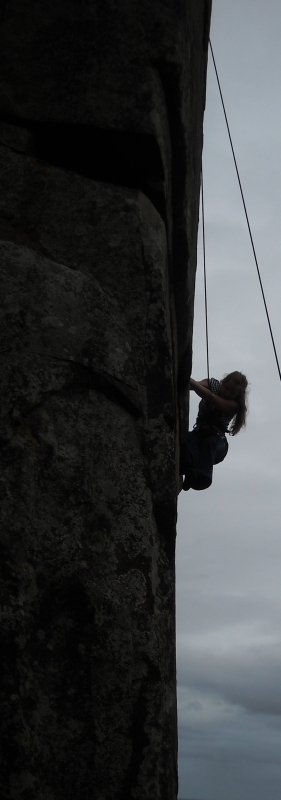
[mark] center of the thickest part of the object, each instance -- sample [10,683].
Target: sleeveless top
[210,417]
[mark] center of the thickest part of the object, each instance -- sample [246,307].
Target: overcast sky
[229,537]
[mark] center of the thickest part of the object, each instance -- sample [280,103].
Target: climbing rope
[248,224]
[205,278]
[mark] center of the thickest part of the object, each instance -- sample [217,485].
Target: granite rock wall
[101,109]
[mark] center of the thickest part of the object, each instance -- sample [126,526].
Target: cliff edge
[101,114]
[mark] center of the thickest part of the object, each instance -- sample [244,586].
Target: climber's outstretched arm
[201,388]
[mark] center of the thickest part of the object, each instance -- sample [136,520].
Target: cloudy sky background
[229,537]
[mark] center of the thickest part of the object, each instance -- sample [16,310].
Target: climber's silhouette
[222,410]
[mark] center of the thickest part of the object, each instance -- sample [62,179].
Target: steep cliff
[101,107]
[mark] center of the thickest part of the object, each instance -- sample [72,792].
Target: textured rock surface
[100,144]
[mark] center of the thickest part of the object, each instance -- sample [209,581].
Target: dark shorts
[200,451]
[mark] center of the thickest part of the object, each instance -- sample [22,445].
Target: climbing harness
[249,229]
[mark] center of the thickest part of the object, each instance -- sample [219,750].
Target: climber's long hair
[240,418]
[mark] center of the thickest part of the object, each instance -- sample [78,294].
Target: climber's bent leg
[202,449]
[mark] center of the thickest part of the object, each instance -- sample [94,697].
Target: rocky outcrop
[101,109]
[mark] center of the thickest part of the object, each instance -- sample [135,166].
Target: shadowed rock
[101,108]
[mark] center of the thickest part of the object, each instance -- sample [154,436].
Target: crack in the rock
[118,391]
[115,390]
[121,158]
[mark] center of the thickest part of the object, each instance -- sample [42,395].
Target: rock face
[101,107]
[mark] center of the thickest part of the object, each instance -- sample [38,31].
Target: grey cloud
[251,680]
[229,542]
[209,612]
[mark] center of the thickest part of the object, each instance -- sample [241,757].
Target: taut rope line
[246,214]
[205,279]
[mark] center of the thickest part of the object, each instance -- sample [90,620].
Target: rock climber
[222,410]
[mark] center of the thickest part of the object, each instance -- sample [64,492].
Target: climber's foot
[186,483]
